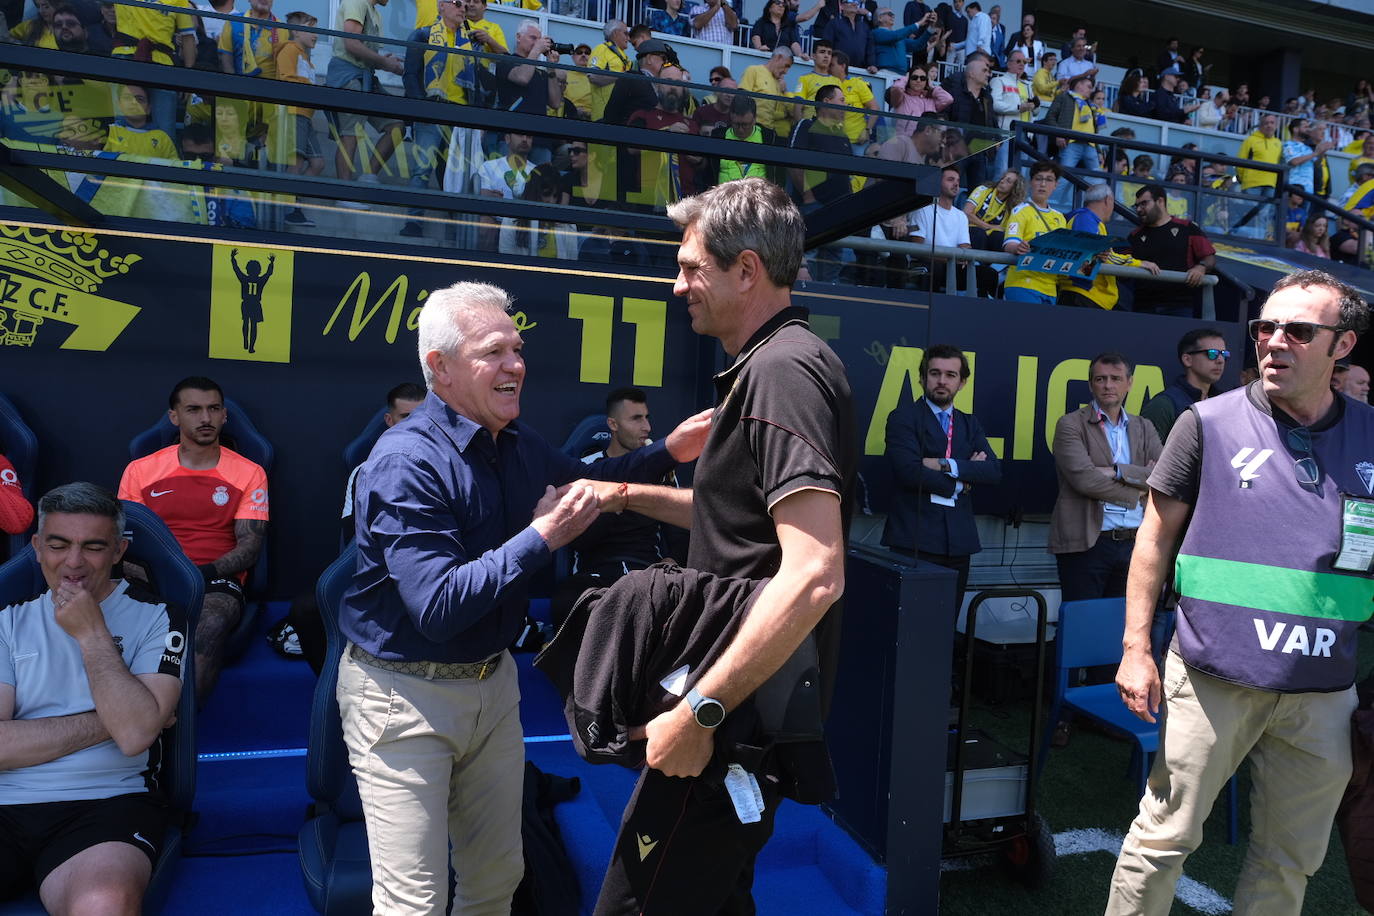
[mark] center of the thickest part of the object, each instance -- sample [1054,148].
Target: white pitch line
[1094,839]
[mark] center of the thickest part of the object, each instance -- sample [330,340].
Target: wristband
[624,494]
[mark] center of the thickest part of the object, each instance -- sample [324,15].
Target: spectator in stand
[666,177]
[979,31]
[1078,63]
[16,512]
[1202,353]
[1364,154]
[1029,45]
[532,238]
[248,50]
[503,177]
[578,89]
[1044,83]
[215,503]
[1167,106]
[1194,70]
[523,86]
[37,32]
[943,225]
[671,21]
[1099,292]
[71,33]
[849,32]
[767,79]
[988,207]
[609,56]
[954,21]
[857,94]
[1305,155]
[1261,146]
[1173,244]
[1231,120]
[353,66]
[149,35]
[972,105]
[777,27]
[1213,109]
[632,92]
[1314,240]
[1345,244]
[1359,197]
[999,38]
[1169,56]
[1012,100]
[743,128]
[1134,98]
[814,189]
[708,117]
[915,95]
[914,11]
[822,56]
[1066,51]
[1072,111]
[894,47]
[304,155]
[1033,218]
[715,21]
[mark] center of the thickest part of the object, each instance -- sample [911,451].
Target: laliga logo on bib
[221,496]
[1249,467]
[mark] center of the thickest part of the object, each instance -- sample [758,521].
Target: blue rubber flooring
[251,800]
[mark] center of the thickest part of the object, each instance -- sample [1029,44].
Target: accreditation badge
[1357,535]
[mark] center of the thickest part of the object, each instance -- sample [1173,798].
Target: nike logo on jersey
[145,841]
[156,493]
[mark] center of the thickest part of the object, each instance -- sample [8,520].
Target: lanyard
[949,437]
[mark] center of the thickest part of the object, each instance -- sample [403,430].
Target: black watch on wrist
[708,712]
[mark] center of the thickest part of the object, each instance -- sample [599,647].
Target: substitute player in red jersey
[16,512]
[215,502]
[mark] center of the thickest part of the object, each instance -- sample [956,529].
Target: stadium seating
[333,844]
[176,579]
[588,436]
[1089,634]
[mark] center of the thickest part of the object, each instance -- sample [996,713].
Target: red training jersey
[16,512]
[199,506]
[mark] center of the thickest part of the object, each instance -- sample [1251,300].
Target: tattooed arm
[249,534]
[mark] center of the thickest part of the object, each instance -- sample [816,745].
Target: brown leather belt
[1121,534]
[430,671]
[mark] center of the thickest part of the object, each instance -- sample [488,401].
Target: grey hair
[782,52]
[1354,310]
[609,28]
[526,26]
[749,214]
[442,318]
[82,498]
[1097,192]
[885,11]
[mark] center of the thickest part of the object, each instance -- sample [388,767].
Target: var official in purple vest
[1265,495]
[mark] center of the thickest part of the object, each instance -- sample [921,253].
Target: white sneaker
[354,205]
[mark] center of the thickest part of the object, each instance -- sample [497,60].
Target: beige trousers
[437,762]
[1299,749]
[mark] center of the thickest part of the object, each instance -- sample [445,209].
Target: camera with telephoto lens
[562,47]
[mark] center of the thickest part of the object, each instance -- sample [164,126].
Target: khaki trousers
[438,762]
[1299,749]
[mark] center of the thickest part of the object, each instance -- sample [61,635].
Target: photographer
[521,85]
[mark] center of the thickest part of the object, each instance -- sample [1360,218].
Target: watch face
[709,713]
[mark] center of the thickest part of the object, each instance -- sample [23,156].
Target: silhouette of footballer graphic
[252,281]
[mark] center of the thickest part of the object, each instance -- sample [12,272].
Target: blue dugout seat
[356,452]
[242,436]
[177,580]
[1088,635]
[335,864]
[19,444]
[589,435]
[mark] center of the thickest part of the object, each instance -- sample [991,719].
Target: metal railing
[1365,237]
[971,257]
[1253,206]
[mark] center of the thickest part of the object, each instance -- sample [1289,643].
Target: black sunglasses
[1300,332]
[917,76]
[1212,353]
[1305,469]
[576,149]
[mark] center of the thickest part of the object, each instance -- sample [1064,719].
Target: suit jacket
[1080,450]
[913,521]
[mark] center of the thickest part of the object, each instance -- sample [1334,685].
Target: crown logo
[74,260]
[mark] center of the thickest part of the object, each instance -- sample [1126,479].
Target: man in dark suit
[1103,456]
[937,454]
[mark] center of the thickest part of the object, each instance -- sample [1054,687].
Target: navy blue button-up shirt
[445,546]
